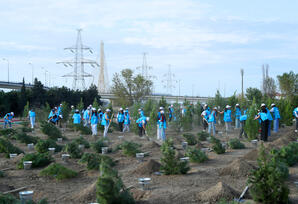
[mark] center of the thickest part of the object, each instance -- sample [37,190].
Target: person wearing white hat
[76,117]
[100,115]
[106,122]
[295,114]
[120,119]
[276,116]
[31,116]
[205,117]
[86,117]
[227,117]
[263,116]
[94,121]
[162,126]
[237,116]
[8,119]
[127,120]
[212,121]
[157,122]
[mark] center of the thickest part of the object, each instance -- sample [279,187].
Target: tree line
[14,101]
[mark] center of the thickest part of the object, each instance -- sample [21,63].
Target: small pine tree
[95,104]
[26,110]
[65,112]
[80,106]
[251,126]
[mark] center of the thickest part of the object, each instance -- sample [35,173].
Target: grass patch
[51,130]
[130,148]
[83,141]
[190,138]
[43,145]
[196,155]
[8,148]
[73,150]
[38,160]
[236,144]
[93,160]
[58,171]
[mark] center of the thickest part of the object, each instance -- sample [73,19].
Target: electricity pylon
[103,86]
[144,68]
[169,81]
[78,63]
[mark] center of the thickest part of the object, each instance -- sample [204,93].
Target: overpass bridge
[168,98]
[16,85]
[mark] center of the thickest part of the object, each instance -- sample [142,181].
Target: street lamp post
[7,68]
[45,76]
[32,72]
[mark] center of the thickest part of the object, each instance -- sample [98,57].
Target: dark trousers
[121,126]
[242,124]
[141,131]
[205,124]
[296,123]
[264,130]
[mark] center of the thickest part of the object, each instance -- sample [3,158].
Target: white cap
[60,104]
[121,109]
[215,108]
[108,110]
[272,104]
[12,113]
[77,110]
[90,105]
[227,106]
[94,109]
[172,105]
[237,104]
[147,119]
[72,106]
[160,108]
[126,108]
[162,112]
[263,105]
[139,109]
[99,109]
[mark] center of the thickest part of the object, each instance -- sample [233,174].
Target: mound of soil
[4,188]
[237,168]
[147,167]
[88,194]
[252,155]
[139,194]
[18,158]
[151,145]
[217,192]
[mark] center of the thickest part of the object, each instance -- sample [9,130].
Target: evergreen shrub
[38,160]
[58,171]
[202,136]
[190,138]
[43,145]
[51,130]
[130,148]
[236,144]
[196,155]
[73,150]
[7,147]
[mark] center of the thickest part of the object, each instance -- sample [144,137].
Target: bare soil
[222,176]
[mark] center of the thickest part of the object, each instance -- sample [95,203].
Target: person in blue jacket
[120,119]
[141,112]
[162,126]
[263,116]
[60,110]
[157,122]
[86,116]
[31,116]
[227,117]
[270,119]
[126,120]
[94,121]
[295,114]
[276,116]
[76,117]
[205,116]
[100,115]
[237,116]
[106,122]
[243,119]
[141,122]
[8,119]
[53,116]
[212,121]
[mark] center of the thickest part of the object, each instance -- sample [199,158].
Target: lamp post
[7,68]
[32,72]
[45,76]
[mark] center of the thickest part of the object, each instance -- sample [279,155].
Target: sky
[206,43]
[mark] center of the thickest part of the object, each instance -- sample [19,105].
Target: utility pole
[242,92]
[78,63]
[169,81]
[145,68]
[45,76]
[103,74]
[32,67]
[7,68]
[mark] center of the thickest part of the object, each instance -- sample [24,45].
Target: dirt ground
[222,175]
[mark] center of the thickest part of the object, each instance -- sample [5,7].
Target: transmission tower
[78,63]
[242,74]
[169,80]
[265,68]
[144,68]
[103,86]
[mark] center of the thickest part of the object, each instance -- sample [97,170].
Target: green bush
[190,138]
[96,146]
[8,199]
[58,171]
[202,136]
[2,174]
[50,130]
[130,148]
[8,148]
[224,201]
[236,144]
[288,154]
[24,138]
[196,155]
[93,160]
[169,163]
[218,148]
[268,181]
[43,145]
[73,150]
[110,188]
[83,141]
[82,129]
[214,140]
[38,160]
[7,132]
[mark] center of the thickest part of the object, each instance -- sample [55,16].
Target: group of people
[55,115]
[264,117]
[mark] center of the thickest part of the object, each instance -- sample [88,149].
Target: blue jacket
[76,118]
[59,111]
[264,116]
[269,116]
[275,112]
[31,114]
[100,116]
[212,117]
[8,117]
[120,117]
[126,118]
[295,112]
[228,116]
[86,115]
[162,122]
[141,121]
[94,119]
[238,113]
[105,122]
